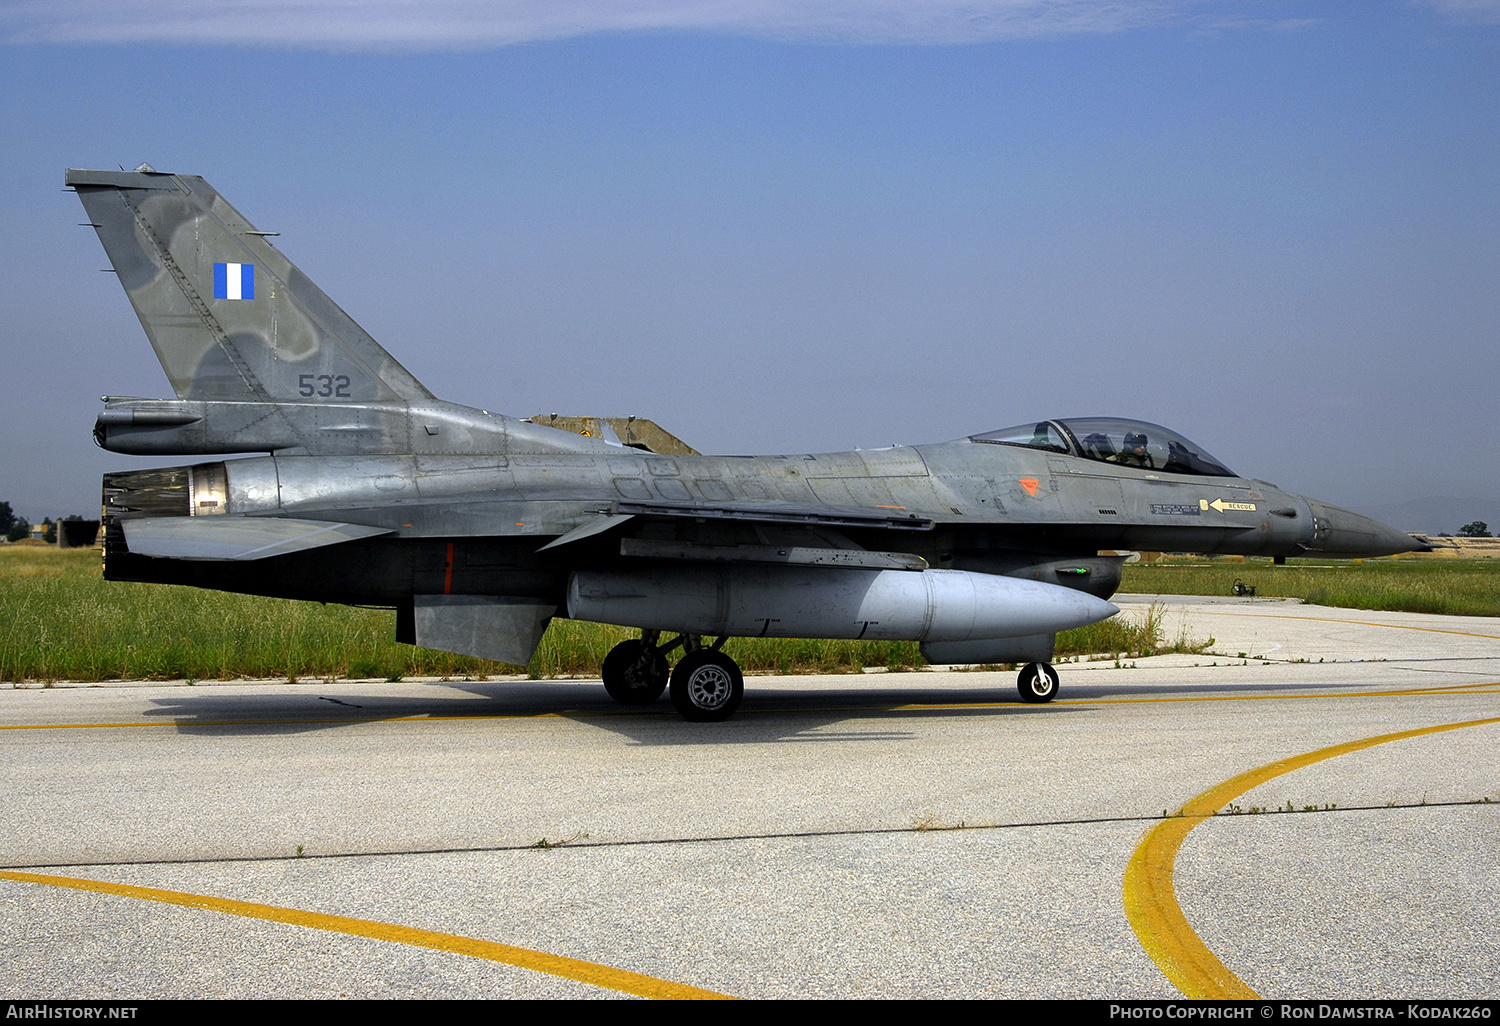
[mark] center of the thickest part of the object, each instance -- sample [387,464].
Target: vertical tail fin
[229,316]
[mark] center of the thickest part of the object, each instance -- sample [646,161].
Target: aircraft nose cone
[1350,535]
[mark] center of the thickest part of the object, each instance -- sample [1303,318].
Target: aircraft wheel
[635,673]
[707,686]
[1037,682]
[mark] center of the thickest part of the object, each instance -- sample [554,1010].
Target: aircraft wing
[236,538]
[797,519]
[778,513]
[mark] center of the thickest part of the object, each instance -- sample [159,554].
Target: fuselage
[474,522]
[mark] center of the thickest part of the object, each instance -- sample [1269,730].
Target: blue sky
[806,226]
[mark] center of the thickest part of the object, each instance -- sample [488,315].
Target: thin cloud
[1215,27]
[1483,12]
[482,24]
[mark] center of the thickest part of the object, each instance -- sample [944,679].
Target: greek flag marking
[234,281]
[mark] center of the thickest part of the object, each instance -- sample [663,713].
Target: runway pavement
[876,835]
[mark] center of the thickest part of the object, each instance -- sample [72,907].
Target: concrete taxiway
[890,835]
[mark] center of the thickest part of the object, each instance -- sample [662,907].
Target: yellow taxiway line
[1360,623]
[1436,689]
[1476,688]
[525,958]
[1151,903]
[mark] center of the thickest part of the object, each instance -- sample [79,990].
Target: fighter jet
[480,528]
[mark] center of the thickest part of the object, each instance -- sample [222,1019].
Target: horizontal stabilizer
[220,537]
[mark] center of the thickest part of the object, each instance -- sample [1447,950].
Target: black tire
[634,673]
[1037,682]
[707,686]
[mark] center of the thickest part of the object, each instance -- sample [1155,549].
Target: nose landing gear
[1037,682]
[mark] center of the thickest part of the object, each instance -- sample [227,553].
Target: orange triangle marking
[1029,483]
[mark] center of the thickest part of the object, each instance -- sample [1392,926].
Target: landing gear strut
[1037,682]
[706,686]
[635,672]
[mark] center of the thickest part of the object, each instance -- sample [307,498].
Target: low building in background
[78,534]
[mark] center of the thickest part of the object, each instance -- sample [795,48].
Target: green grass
[1462,587]
[59,620]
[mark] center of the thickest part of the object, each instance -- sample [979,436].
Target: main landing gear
[635,673]
[1037,682]
[706,685]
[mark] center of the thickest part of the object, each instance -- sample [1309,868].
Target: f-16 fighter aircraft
[480,528]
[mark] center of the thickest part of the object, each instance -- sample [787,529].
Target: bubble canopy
[1127,443]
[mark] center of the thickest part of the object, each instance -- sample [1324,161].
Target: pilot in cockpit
[1134,453]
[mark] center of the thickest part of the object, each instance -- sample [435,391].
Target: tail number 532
[324,386]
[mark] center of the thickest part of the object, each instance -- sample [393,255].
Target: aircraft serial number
[324,385]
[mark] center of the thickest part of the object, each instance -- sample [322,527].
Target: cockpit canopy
[1128,443]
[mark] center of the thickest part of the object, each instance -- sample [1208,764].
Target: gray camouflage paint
[455,501]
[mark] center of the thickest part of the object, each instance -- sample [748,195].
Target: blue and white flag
[234,281]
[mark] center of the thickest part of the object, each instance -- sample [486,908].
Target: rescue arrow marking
[1221,505]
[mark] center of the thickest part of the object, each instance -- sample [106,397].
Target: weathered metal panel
[235,538]
[504,629]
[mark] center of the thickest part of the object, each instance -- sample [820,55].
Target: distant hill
[1437,514]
